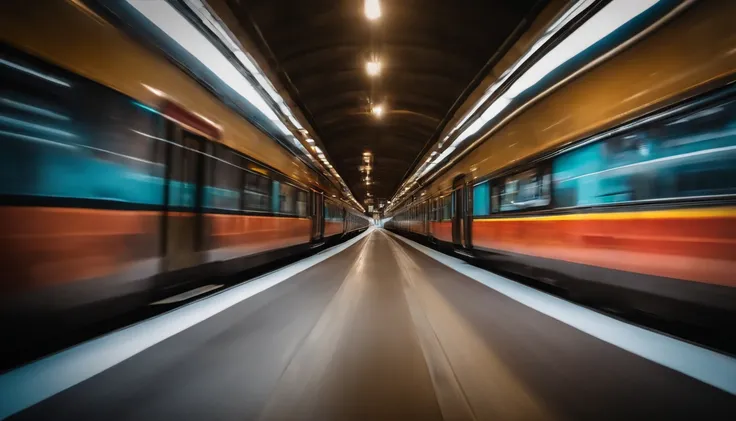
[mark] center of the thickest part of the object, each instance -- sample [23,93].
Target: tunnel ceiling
[431,53]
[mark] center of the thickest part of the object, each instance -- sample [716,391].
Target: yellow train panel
[685,56]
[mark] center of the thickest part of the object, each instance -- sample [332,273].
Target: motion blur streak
[123,180]
[380,331]
[177,27]
[710,367]
[39,380]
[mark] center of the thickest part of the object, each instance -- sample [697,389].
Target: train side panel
[693,245]
[234,236]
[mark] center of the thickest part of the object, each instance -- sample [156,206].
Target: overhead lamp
[373,67]
[377,110]
[317,149]
[367,153]
[310,141]
[372,9]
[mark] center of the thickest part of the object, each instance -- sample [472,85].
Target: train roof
[652,73]
[73,37]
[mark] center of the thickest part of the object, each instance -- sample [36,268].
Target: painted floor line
[39,380]
[717,370]
[188,295]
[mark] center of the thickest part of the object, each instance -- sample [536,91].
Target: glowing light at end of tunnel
[377,110]
[373,67]
[372,9]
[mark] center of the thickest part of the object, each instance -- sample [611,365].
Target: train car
[122,176]
[341,220]
[617,185]
[334,219]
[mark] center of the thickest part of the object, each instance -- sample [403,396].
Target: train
[617,187]
[123,178]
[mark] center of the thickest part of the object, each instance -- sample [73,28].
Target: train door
[426,210]
[461,198]
[185,174]
[468,217]
[344,221]
[318,216]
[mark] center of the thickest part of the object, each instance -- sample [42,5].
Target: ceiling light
[377,110]
[372,9]
[373,67]
[310,141]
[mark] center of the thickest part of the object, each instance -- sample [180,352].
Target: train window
[301,202]
[67,137]
[524,190]
[223,191]
[447,208]
[481,199]
[495,198]
[690,155]
[452,204]
[333,212]
[257,192]
[287,199]
[185,161]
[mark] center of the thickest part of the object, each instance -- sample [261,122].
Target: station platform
[378,328]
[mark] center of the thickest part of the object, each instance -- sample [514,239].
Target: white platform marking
[187,295]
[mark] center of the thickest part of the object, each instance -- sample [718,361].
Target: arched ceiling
[433,52]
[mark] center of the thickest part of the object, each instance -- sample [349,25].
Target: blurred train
[122,176]
[619,187]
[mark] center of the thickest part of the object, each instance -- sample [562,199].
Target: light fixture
[373,67]
[310,141]
[372,9]
[377,110]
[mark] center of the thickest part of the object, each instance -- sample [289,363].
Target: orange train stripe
[43,245]
[704,213]
[682,245]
